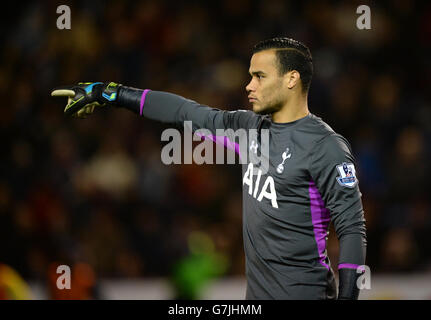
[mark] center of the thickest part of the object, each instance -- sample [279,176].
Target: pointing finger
[63,93]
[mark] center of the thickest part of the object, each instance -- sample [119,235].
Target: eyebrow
[256,73]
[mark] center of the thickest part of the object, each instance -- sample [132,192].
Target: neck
[294,109]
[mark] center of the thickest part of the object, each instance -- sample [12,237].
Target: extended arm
[156,105]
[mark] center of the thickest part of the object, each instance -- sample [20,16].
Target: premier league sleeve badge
[347,177]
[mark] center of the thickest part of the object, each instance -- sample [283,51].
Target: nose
[250,87]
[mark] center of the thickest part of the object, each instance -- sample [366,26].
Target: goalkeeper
[311,180]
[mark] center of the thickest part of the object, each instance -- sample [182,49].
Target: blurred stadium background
[94,195]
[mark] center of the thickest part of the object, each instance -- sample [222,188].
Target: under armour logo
[253,146]
[284,156]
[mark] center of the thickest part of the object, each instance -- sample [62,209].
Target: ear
[292,79]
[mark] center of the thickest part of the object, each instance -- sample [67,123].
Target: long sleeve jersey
[309,182]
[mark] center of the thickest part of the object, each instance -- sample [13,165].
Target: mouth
[252,99]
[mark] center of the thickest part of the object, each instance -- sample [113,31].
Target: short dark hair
[291,55]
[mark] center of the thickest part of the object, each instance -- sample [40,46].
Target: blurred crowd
[95,191]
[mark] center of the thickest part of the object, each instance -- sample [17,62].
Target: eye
[258,76]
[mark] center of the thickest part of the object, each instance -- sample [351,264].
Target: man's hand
[84,97]
[348,289]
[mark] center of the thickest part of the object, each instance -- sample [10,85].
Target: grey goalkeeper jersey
[310,181]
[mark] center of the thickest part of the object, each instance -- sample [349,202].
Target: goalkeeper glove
[348,288]
[86,96]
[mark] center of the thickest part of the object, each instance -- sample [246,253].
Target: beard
[268,109]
